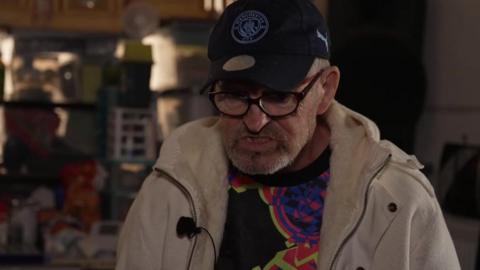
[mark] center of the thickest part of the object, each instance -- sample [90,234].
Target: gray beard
[252,166]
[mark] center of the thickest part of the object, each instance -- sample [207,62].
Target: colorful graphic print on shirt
[296,212]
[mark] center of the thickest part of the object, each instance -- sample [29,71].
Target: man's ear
[330,79]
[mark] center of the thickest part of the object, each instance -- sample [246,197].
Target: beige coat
[380,213]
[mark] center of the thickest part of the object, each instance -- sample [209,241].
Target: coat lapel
[355,158]
[196,159]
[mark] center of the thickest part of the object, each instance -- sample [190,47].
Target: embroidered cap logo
[250,26]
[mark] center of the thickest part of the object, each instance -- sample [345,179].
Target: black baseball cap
[269,42]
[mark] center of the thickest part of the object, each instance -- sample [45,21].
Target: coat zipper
[342,245]
[192,204]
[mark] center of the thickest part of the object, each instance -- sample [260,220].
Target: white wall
[452,59]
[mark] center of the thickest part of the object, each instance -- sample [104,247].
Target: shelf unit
[45,105]
[103,16]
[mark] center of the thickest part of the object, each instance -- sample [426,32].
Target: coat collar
[356,156]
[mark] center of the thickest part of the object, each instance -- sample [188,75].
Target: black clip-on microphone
[186,226]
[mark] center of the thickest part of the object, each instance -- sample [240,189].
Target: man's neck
[313,149]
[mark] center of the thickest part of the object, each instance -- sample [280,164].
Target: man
[285,177]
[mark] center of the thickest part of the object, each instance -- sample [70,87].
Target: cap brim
[276,72]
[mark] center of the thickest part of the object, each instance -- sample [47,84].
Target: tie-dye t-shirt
[273,222]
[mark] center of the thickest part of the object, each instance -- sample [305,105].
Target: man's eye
[230,96]
[277,98]
[236,95]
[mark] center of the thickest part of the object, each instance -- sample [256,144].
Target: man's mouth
[256,143]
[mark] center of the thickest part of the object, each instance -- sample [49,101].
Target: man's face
[257,144]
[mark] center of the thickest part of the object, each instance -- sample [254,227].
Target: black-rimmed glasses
[275,104]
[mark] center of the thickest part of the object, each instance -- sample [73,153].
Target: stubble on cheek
[251,161]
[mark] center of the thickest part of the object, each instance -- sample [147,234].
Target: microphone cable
[214,249]
[186,226]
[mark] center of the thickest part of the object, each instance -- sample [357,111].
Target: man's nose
[255,119]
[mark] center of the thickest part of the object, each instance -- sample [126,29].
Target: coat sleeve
[148,237]
[432,245]
[429,245]
[415,236]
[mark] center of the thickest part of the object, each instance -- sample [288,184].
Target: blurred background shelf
[44,105]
